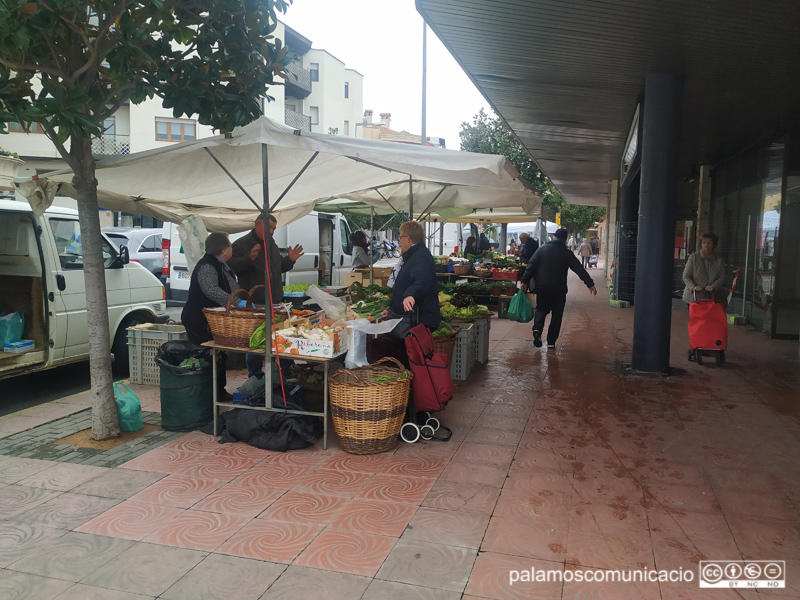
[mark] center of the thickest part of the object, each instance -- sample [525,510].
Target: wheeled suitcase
[708,330]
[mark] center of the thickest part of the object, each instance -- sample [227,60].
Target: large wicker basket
[461,269]
[446,344]
[234,326]
[367,415]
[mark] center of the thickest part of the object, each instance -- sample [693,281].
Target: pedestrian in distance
[484,243]
[585,251]
[705,272]
[548,268]
[249,263]
[527,248]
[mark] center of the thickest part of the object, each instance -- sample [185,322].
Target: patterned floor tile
[13,469]
[130,520]
[501,437]
[447,527]
[484,453]
[161,460]
[338,483]
[147,569]
[119,483]
[396,489]
[270,540]
[491,420]
[347,552]
[535,538]
[490,578]
[429,565]
[20,539]
[218,576]
[197,530]
[22,586]
[67,511]
[90,592]
[383,590]
[194,442]
[414,466]
[373,516]
[309,459]
[242,450]
[465,497]
[210,466]
[301,582]
[474,473]
[243,500]
[62,477]
[299,507]
[17,499]
[72,556]
[369,463]
[177,491]
[272,475]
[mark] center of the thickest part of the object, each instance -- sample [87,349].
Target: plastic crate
[464,353]
[143,345]
[482,328]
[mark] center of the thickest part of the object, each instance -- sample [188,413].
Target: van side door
[342,250]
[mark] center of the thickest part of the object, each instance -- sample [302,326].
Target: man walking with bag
[548,267]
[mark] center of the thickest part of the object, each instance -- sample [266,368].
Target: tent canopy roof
[304,169]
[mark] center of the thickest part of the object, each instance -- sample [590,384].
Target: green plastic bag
[519,309]
[129,409]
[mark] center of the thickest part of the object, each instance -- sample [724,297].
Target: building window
[347,127]
[314,68]
[315,115]
[346,89]
[18,128]
[169,130]
[110,126]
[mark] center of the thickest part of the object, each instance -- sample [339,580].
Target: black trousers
[585,262]
[547,302]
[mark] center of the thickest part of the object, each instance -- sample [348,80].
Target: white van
[451,235]
[41,271]
[325,238]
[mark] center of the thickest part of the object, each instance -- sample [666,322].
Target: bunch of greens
[378,289]
[462,301]
[475,288]
[503,261]
[449,312]
[443,329]
[370,309]
[296,287]
[259,338]
[379,378]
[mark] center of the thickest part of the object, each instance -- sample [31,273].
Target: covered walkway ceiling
[567,75]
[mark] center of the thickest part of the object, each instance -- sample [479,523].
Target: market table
[312,359]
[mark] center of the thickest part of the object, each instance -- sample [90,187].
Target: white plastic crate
[464,353]
[143,345]
[482,328]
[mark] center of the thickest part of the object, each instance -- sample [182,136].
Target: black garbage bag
[187,401]
[275,431]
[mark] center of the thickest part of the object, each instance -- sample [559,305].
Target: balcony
[301,86]
[297,120]
[111,145]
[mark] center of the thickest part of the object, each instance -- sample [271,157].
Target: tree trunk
[105,422]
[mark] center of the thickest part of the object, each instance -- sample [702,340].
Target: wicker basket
[368,415]
[446,344]
[461,269]
[234,326]
[483,273]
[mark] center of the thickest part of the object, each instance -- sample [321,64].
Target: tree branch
[90,62]
[31,67]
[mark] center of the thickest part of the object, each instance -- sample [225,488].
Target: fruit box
[333,345]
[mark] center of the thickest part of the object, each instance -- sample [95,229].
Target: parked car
[325,239]
[41,269]
[144,246]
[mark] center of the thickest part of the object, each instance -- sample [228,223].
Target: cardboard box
[337,343]
[380,272]
[349,279]
[19,347]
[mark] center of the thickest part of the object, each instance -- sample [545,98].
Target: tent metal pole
[228,173]
[265,214]
[296,177]
[371,235]
[423,213]
[410,199]
[387,202]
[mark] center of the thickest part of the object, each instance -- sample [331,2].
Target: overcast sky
[382,40]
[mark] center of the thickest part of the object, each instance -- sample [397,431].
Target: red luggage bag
[708,330]
[432,384]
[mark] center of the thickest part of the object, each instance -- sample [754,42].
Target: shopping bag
[432,384]
[519,309]
[11,327]
[129,409]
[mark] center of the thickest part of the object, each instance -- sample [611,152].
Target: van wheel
[119,348]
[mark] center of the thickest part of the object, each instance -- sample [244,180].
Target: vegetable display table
[312,359]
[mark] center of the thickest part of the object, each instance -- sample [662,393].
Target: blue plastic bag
[11,327]
[129,408]
[519,309]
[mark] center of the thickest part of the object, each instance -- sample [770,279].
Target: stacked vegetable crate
[482,327]
[143,345]
[464,354]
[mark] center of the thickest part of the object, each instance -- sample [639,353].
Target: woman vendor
[211,285]
[361,258]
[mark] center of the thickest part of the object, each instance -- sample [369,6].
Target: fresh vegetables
[443,329]
[316,332]
[462,301]
[296,287]
[379,378]
[449,312]
[259,338]
[378,289]
[371,309]
[503,261]
[444,297]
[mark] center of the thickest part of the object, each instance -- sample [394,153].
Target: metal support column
[652,317]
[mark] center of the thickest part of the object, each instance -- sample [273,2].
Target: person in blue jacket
[415,290]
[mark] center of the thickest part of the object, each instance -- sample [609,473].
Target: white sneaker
[551,346]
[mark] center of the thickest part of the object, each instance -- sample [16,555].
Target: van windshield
[67,235]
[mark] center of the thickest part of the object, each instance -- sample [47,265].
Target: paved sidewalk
[559,461]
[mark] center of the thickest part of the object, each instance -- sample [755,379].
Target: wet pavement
[561,461]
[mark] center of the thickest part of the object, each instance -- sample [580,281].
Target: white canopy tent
[293,171]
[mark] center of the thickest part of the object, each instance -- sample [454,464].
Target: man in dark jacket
[548,267]
[527,248]
[415,283]
[484,243]
[249,259]
[248,262]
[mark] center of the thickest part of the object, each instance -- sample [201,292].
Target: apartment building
[321,95]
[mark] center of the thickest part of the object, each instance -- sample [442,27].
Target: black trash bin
[187,401]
